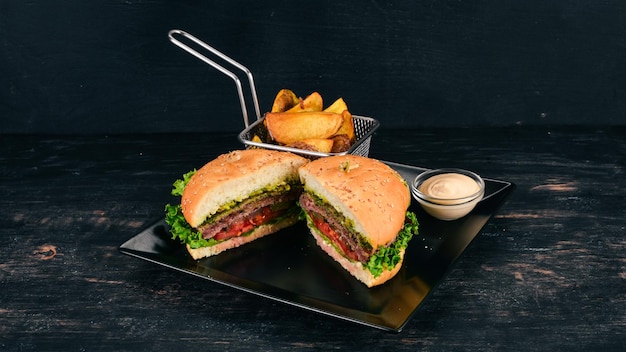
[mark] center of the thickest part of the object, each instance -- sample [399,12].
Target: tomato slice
[332,235]
[259,217]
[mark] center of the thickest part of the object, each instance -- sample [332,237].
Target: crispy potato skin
[287,128]
[313,102]
[285,99]
[305,124]
[341,143]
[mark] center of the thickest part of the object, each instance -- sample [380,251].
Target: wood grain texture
[109,68]
[547,273]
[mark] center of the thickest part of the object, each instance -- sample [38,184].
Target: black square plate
[289,267]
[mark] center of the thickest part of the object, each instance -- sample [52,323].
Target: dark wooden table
[547,273]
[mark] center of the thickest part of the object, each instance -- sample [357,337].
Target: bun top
[233,177]
[367,191]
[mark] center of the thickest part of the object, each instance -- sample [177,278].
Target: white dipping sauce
[449,188]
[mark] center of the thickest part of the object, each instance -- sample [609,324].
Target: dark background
[106,67]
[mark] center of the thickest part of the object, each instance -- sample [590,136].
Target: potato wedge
[284,100]
[287,128]
[313,102]
[338,106]
[347,126]
[341,143]
[323,145]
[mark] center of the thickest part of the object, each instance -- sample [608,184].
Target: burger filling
[336,228]
[340,232]
[266,206]
[250,213]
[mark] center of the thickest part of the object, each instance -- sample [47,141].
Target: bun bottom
[261,231]
[356,269]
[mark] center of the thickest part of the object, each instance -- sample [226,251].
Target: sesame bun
[232,177]
[366,191]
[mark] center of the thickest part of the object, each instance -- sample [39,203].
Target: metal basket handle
[220,68]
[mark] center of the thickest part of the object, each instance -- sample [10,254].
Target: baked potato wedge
[313,102]
[338,106]
[323,145]
[285,100]
[347,126]
[287,128]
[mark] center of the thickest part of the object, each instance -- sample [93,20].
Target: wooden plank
[548,273]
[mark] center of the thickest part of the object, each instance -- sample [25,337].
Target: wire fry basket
[364,127]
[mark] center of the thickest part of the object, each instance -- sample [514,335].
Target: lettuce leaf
[386,258]
[180,184]
[176,220]
[182,230]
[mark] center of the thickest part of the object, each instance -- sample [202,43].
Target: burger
[234,199]
[357,210]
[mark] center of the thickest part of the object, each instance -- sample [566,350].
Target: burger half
[357,210]
[234,199]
